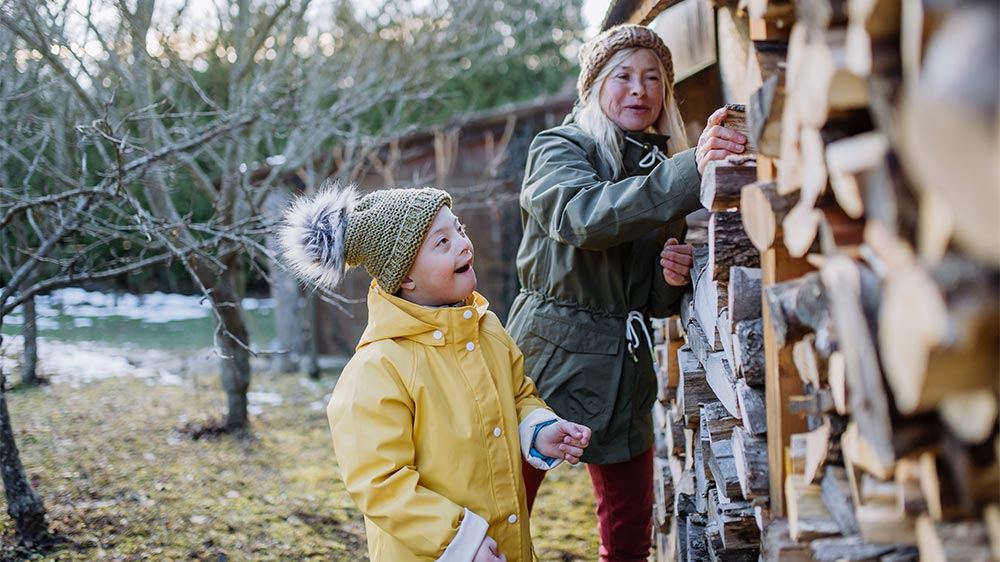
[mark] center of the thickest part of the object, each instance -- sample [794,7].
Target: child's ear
[407,283]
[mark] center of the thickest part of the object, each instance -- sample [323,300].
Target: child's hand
[563,440]
[488,552]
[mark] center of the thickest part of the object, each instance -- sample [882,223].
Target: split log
[697,546]
[971,416]
[848,158]
[909,497]
[725,330]
[823,83]
[717,551]
[697,340]
[780,299]
[735,521]
[806,362]
[722,380]
[778,546]
[836,492]
[853,548]
[728,245]
[750,456]
[693,389]
[859,451]
[749,351]
[812,307]
[960,540]
[744,294]
[817,403]
[710,297]
[949,127]
[663,495]
[853,294]
[675,430]
[808,517]
[948,342]
[870,22]
[752,406]
[817,447]
[722,463]
[722,181]
[767,102]
[684,495]
[763,209]
[991,518]
[884,523]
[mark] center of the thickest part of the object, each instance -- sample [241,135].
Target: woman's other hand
[717,142]
[676,260]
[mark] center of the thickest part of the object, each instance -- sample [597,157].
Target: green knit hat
[325,234]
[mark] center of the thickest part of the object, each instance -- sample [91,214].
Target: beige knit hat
[325,234]
[594,54]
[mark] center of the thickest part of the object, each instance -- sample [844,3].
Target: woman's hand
[489,552]
[676,260]
[717,142]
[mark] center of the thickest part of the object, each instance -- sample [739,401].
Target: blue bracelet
[533,451]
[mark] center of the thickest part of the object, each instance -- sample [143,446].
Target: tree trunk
[30,331]
[233,342]
[24,505]
[285,293]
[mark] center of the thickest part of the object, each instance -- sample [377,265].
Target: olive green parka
[589,256]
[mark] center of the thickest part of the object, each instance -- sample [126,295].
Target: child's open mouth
[464,268]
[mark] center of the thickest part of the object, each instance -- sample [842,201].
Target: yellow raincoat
[427,420]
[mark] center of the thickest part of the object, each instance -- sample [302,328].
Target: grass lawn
[123,481]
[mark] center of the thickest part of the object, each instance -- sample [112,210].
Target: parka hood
[391,317]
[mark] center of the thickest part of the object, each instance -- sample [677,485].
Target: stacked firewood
[850,282]
[711,468]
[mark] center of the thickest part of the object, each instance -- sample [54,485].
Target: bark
[24,506]
[233,342]
[30,330]
[287,344]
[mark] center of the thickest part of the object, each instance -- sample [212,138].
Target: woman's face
[632,95]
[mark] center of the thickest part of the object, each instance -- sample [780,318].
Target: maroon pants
[624,494]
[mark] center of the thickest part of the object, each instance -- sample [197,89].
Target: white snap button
[496,431]
[437,334]
[512,519]
[470,346]
[467,314]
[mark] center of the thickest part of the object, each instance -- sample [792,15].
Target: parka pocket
[573,336]
[578,369]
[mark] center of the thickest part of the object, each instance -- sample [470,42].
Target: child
[430,416]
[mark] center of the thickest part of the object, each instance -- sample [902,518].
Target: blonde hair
[609,136]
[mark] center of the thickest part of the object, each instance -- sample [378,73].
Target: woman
[603,207]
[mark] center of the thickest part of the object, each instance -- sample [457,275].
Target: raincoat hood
[391,317]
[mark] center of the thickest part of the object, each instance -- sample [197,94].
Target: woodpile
[831,387]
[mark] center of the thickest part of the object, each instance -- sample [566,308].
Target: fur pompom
[313,235]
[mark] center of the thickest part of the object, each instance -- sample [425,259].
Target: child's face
[442,273]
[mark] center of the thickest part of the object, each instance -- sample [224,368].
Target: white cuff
[466,543]
[527,431]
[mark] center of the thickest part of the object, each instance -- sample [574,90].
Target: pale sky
[593,11]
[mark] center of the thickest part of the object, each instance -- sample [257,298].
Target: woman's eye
[442,241]
[461,228]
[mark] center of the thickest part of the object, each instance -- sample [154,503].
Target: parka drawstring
[632,336]
[653,153]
